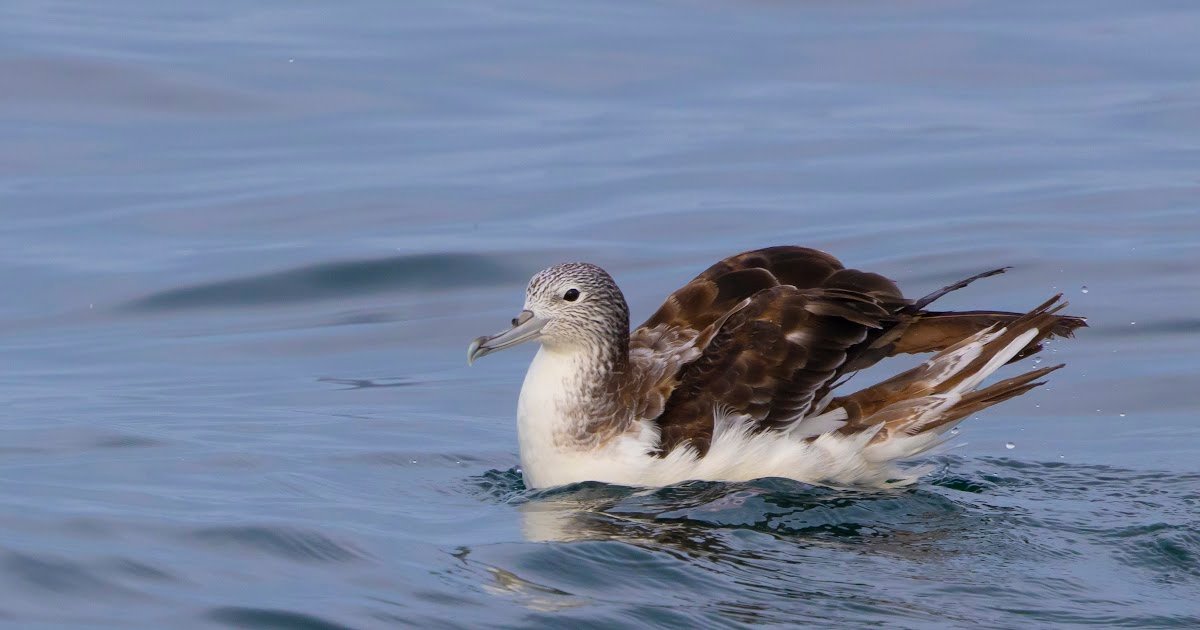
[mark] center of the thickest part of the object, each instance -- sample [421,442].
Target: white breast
[538,416]
[550,384]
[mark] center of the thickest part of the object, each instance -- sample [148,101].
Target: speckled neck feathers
[585,356]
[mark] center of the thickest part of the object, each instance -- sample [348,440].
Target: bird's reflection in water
[768,541]
[696,517]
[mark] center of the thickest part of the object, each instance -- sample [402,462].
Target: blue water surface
[243,246]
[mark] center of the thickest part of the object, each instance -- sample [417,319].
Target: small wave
[44,81]
[59,575]
[974,506]
[139,570]
[126,441]
[368,383]
[336,279]
[501,486]
[285,542]
[1160,547]
[409,458]
[270,619]
[780,507]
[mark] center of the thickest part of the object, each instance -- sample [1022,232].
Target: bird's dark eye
[571,295]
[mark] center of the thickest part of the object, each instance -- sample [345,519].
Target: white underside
[735,454]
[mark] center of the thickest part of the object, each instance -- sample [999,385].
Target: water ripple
[268,619]
[59,575]
[786,542]
[337,279]
[1162,548]
[286,542]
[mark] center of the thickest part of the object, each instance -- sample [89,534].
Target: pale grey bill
[526,327]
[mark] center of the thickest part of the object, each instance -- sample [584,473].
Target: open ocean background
[244,244]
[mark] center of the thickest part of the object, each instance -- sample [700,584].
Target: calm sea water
[243,246]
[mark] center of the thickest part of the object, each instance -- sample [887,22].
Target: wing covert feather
[767,362]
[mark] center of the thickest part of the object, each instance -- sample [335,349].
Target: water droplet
[1133,323]
[954,431]
[1083,289]
[1009,445]
[1037,360]
[1121,414]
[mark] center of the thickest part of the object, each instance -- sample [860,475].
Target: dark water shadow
[337,279]
[243,617]
[60,575]
[367,383]
[286,542]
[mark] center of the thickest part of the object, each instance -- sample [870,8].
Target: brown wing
[683,326]
[710,295]
[769,361]
[768,333]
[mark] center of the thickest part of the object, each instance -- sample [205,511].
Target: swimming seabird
[734,377]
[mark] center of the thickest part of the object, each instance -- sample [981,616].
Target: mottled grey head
[569,306]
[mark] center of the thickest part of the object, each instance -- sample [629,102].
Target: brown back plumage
[767,334]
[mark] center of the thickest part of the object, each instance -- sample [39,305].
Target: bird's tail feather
[932,331]
[908,413]
[935,330]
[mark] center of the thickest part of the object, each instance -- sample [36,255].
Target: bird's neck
[571,399]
